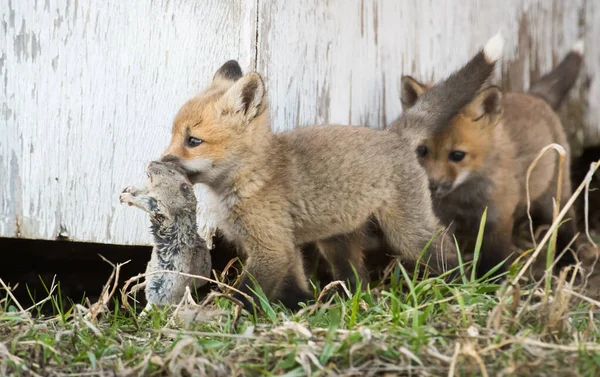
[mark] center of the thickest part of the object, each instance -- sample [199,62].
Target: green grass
[408,327]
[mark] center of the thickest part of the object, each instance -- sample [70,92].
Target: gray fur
[554,86]
[170,201]
[439,105]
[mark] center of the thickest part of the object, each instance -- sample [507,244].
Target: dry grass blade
[562,154]
[556,222]
[41,344]
[495,316]
[53,287]
[107,293]
[331,286]
[586,210]
[8,292]
[454,361]
[583,297]
[560,304]
[16,360]
[469,350]
[227,267]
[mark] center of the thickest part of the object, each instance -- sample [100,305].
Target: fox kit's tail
[554,86]
[437,106]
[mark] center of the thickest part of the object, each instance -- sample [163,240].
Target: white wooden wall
[89,88]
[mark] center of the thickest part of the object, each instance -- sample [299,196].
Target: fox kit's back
[342,171]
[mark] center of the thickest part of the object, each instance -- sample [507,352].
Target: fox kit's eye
[421,151]
[456,156]
[193,142]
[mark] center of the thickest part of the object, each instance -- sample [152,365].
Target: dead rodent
[170,201]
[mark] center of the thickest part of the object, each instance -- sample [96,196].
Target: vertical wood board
[89,93]
[89,89]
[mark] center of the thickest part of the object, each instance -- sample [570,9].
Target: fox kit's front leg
[344,253]
[138,197]
[276,265]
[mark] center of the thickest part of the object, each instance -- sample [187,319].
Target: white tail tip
[493,48]
[579,47]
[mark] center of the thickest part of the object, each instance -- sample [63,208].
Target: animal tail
[437,106]
[554,86]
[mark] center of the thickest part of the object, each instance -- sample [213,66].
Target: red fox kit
[318,184]
[480,160]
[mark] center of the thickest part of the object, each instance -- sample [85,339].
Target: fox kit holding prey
[170,201]
[323,184]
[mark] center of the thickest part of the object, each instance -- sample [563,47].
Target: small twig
[469,350]
[227,267]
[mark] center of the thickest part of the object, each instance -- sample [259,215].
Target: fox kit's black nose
[439,188]
[433,187]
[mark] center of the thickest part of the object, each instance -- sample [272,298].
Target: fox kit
[320,184]
[480,160]
[170,201]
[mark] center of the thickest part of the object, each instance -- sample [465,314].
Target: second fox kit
[170,201]
[313,184]
[480,159]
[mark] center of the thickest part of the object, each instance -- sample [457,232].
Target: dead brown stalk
[107,293]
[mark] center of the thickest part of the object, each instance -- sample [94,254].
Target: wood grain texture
[89,89]
[89,93]
[341,61]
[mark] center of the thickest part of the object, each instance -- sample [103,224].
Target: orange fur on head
[462,148]
[212,130]
[479,159]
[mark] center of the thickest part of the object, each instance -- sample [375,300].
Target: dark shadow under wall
[30,266]
[579,169]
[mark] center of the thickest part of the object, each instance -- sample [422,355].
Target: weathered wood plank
[90,88]
[341,61]
[89,93]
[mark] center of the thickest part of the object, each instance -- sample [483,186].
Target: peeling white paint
[89,89]
[341,61]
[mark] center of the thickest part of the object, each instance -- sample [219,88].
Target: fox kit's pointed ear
[229,73]
[487,104]
[411,91]
[245,97]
